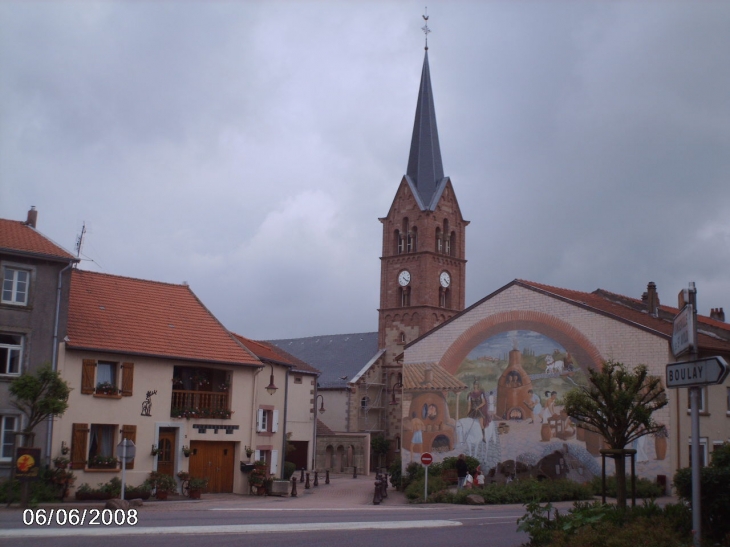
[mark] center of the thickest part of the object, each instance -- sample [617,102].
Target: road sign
[702,372]
[683,334]
[426,458]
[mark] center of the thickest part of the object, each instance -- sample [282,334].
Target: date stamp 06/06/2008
[80,517]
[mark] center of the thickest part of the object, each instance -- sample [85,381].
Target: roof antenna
[80,240]
[425,28]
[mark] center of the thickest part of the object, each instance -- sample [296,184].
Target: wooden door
[214,461]
[166,454]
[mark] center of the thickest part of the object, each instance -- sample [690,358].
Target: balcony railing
[200,404]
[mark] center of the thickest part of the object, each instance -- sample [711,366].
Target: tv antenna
[80,240]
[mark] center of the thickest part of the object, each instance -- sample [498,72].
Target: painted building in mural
[497,372]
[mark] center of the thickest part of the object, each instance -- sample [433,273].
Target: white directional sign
[712,370]
[683,333]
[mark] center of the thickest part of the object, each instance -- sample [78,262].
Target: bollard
[385,485]
[327,476]
[316,479]
[376,496]
[354,472]
[293,487]
[306,484]
[301,478]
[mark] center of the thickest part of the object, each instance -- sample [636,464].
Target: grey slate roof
[335,355]
[425,170]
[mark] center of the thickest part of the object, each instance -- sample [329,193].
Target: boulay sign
[702,372]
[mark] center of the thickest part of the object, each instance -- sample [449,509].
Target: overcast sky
[249,148]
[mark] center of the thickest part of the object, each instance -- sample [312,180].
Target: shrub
[415,489]
[395,473]
[289,468]
[645,488]
[714,498]
[51,486]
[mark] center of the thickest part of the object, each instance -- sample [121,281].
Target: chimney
[652,299]
[32,217]
[428,375]
[717,314]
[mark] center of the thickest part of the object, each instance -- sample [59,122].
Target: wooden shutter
[127,379]
[129,432]
[275,421]
[78,445]
[88,371]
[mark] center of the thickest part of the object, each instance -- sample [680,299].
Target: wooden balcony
[200,404]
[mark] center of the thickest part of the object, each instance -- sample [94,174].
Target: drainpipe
[314,440]
[54,358]
[286,405]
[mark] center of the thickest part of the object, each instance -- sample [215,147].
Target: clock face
[445,279]
[404,278]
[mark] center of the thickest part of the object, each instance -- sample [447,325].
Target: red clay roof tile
[266,351]
[136,316]
[16,236]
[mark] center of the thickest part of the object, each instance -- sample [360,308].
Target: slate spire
[424,162]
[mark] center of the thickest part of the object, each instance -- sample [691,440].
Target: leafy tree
[618,403]
[39,395]
[380,447]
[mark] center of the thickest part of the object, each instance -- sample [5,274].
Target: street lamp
[271,388]
[397,385]
[321,407]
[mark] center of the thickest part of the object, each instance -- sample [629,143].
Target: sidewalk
[343,492]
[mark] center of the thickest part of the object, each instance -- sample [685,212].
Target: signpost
[126,451]
[684,333]
[426,460]
[712,370]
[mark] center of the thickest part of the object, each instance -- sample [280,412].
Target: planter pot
[96,496]
[594,443]
[194,494]
[545,433]
[161,495]
[660,445]
[580,433]
[137,494]
[261,490]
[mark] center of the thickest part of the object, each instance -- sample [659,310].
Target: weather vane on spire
[425,28]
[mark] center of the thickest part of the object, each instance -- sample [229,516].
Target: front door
[213,460]
[166,454]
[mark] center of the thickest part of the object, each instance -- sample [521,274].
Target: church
[518,351]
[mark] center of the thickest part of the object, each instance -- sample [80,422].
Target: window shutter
[127,379]
[275,422]
[88,371]
[259,419]
[78,445]
[274,461]
[256,455]
[129,432]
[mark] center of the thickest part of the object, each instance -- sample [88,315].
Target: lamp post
[393,400]
[271,388]
[321,406]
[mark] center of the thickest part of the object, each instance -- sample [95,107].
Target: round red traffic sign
[426,458]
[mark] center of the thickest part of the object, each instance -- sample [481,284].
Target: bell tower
[423,264]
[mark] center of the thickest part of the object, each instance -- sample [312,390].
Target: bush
[714,498]
[415,489]
[645,488]
[395,473]
[51,486]
[289,469]
[597,525]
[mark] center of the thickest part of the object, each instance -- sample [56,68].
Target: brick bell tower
[423,264]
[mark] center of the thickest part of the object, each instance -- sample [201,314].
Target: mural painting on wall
[503,406]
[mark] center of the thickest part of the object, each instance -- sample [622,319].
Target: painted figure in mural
[549,410]
[478,409]
[417,439]
[640,445]
[432,412]
[535,404]
[491,405]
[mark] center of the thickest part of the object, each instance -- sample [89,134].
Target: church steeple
[425,169]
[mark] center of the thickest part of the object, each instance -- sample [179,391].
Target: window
[101,378]
[15,286]
[439,241]
[704,458]
[94,446]
[8,427]
[404,295]
[11,353]
[297,379]
[703,401]
[267,420]
[270,457]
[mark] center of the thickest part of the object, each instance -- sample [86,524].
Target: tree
[618,403]
[39,395]
[380,446]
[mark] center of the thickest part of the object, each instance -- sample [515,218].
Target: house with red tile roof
[33,309]
[148,362]
[301,408]
[525,345]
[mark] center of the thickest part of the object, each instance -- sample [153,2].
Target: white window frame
[267,421]
[3,431]
[10,348]
[13,279]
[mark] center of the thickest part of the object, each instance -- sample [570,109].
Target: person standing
[461,471]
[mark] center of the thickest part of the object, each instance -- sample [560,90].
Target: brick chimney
[32,217]
[717,314]
[652,299]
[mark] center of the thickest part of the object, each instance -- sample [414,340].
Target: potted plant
[162,484]
[103,462]
[196,486]
[660,443]
[183,475]
[106,388]
[61,462]
[256,480]
[249,452]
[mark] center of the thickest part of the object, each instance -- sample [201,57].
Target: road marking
[320,509]
[224,529]
[482,518]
